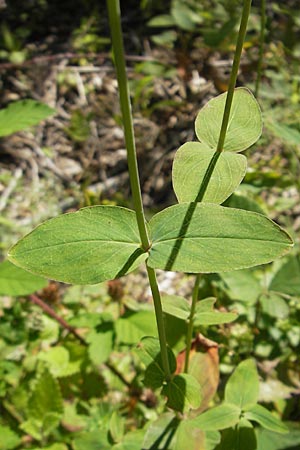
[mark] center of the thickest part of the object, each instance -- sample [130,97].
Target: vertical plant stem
[229,97]
[261,45]
[189,334]
[160,321]
[119,59]
[219,149]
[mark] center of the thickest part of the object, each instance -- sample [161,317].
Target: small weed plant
[197,236]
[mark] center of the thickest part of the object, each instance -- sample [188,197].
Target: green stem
[261,45]
[160,321]
[189,334]
[219,149]
[229,97]
[119,59]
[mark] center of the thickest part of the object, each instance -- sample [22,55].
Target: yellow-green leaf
[190,164]
[245,121]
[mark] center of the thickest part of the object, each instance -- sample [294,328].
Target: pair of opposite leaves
[102,242]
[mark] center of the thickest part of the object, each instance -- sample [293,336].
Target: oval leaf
[287,278]
[92,245]
[242,387]
[190,164]
[218,418]
[206,314]
[176,306]
[15,281]
[197,237]
[261,415]
[22,114]
[245,121]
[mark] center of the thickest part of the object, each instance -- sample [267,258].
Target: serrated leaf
[15,281]
[242,388]
[91,245]
[190,164]
[22,114]
[218,418]
[205,238]
[176,306]
[149,352]
[132,326]
[45,398]
[245,121]
[205,314]
[9,439]
[261,415]
[59,363]
[183,393]
[287,279]
[100,343]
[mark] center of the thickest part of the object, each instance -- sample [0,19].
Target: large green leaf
[45,398]
[198,237]
[261,415]
[205,314]
[92,245]
[22,114]
[243,386]
[16,281]
[245,122]
[183,393]
[190,164]
[218,418]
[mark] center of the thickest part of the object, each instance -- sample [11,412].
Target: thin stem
[119,59]
[219,149]
[191,323]
[160,321]
[118,48]
[261,45]
[229,97]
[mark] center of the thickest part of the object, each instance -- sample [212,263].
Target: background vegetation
[70,377]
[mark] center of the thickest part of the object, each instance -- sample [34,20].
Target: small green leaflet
[245,121]
[205,238]
[22,114]
[265,418]
[92,245]
[183,392]
[205,314]
[190,164]
[218,418]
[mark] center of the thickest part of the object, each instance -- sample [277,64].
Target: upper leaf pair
[193,158]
